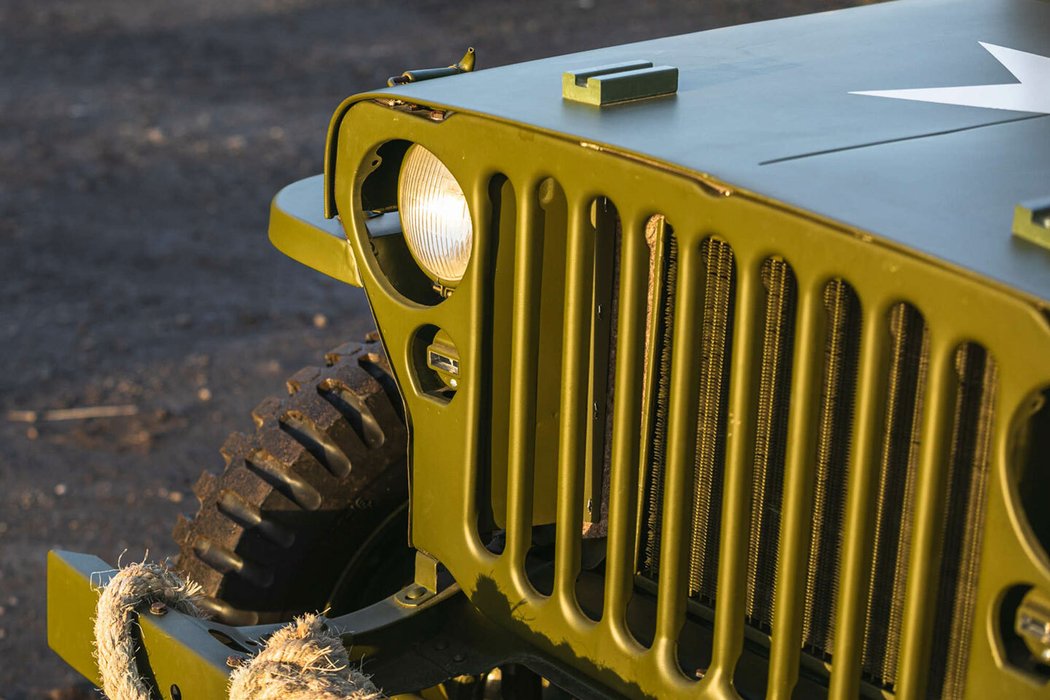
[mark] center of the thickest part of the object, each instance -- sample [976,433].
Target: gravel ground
[140,144]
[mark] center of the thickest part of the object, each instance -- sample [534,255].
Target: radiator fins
[909,360]
[717,329]
[964,519]
[663,276]
[833,440]
[905,386]
[770,440]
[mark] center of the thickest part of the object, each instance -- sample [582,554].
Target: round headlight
[434,216]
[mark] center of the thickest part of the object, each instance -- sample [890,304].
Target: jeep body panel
[767,107]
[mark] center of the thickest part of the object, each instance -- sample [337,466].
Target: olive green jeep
[714,366]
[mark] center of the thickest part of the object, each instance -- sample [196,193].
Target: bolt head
[158,608]
[415,593]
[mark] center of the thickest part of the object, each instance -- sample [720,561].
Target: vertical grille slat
[574,409]
[844,634]
[746,337]
[523,380]
[709,459]
[925,552]
[675,533]
[626,442]
[796,525]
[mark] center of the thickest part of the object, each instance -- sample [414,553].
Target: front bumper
[185,658]
[405,642]
[299,230]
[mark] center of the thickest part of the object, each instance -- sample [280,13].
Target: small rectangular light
[442,363]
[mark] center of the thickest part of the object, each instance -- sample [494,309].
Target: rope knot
[304,660]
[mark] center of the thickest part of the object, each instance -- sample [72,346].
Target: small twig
[80,413]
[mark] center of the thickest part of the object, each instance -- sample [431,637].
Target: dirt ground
[140,143]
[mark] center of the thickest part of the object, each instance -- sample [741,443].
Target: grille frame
[445,509]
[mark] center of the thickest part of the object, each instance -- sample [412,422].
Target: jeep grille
[730,448]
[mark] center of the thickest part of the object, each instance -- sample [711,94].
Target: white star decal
[1030,94]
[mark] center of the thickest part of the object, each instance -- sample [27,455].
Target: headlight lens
[434,216]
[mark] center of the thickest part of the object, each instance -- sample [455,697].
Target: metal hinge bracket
[465,65]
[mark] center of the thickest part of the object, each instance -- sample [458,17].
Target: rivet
[458,658]
[158,608]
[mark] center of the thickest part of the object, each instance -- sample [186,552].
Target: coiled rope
[303,660]
[115,641]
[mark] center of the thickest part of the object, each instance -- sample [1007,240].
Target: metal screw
[458,658]
[158,608]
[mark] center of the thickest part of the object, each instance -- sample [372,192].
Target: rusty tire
[313,505]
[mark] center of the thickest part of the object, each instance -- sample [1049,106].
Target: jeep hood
[769,107]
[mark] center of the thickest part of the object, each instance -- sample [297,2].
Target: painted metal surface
[619,82]
[516,422]
[1030,92]
[187,657]
[768,107]
[1032,221]
[183,658]
[299,230]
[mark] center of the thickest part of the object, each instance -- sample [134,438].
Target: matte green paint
[1032,222]
[71,608]
[299,229]
[767,107]
[619,82]
[74,581]
[450,438]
